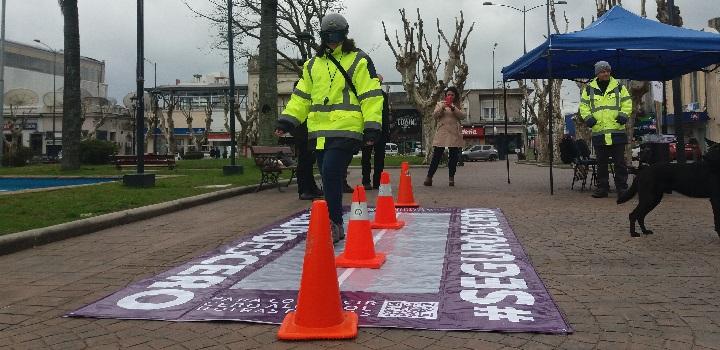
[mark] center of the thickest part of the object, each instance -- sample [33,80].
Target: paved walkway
[660,291]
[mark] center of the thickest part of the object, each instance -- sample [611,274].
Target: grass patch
[19,212]
[393,160]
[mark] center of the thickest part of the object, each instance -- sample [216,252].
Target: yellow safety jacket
[328,103]
[605,108]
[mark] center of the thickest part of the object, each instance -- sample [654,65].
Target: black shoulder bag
[342,70]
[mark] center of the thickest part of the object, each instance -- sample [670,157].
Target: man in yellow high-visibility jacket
[605,105]
[342,106]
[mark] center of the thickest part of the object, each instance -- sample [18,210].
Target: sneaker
[367,187]
[600,193]
[338,232]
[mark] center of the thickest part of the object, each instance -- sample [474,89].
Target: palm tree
[72,122]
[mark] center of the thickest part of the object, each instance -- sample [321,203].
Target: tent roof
[637,48]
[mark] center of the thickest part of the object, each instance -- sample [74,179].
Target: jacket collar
[338,51]
[611,86]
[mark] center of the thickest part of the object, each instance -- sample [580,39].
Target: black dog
[699,180]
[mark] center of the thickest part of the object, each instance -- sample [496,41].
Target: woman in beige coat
[448,133]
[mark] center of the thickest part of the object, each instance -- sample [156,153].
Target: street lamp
[524,12]
[232,168]
[54,87]
[154,69]
[140,178]
[493,91]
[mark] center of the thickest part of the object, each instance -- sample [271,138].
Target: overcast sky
[181,43]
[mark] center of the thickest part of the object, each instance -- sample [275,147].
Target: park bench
[149,160]
[272,161]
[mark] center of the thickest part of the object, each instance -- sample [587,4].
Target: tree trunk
[268,72]
[208,121]
[71,123]
[428,130]
[170,129]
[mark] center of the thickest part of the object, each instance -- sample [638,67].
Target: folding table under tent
[637,48]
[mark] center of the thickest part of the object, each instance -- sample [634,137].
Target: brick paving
[655,292]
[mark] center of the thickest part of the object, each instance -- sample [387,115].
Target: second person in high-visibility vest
[339,96]
[605,105]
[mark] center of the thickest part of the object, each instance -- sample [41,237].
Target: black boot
[307,196]
[600,193]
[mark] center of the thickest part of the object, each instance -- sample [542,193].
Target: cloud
[181,43]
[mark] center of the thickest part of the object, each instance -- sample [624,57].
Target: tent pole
[550,100]
[677,99]
[505,139]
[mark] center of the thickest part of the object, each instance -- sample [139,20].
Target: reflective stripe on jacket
[330,106]
[605,108]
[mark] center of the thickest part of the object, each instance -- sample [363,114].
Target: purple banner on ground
[447,269]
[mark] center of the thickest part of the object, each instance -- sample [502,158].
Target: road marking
[344,276]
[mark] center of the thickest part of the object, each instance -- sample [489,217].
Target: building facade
[202,97]
[31,74]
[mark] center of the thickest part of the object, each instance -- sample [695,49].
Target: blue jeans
[333,164]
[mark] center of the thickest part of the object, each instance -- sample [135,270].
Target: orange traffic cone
[385,216]
[359,248]
[406,199]
[319,313]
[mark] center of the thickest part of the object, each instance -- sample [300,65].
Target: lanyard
[332,77]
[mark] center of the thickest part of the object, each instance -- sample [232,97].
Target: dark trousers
[333,164]
[306,160]
[378,162]
[452,160]
[617,153]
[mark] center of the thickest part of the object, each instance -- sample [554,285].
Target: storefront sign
[473,132]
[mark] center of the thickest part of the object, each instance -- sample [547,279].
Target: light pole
[232,168]
[2,82]
[54,87]
[493,93]
[154,69]
[524,12]
[140,178]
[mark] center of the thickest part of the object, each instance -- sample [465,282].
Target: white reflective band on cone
[385,190]
[359,211]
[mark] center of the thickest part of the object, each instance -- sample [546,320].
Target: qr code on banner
[409,309]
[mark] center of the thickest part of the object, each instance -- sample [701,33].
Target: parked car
[692,151]
[480,152]
[391,149]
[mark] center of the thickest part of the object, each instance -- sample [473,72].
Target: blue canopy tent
[637,48]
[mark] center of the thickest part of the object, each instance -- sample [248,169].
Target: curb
[391,166]
[14,242]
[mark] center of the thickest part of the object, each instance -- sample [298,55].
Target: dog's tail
[630,192]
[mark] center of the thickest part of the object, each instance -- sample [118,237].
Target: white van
[391,149]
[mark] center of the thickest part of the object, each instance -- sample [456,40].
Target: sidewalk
[660,291]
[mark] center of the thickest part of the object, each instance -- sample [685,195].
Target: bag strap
[342,70]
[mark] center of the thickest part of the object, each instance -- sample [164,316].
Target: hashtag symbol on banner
[511,314]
